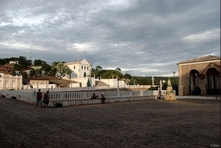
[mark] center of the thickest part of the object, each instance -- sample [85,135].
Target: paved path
[150,123]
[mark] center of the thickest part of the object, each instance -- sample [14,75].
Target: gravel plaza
[149,123]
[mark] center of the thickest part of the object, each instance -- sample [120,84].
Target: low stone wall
[98,101]
[70,98]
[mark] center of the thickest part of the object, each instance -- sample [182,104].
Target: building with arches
[200,76]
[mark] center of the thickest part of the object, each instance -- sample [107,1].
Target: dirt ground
[151,123]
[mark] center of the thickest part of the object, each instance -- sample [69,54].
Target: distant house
[200,76]
[8,81]
[28,70]
[36,67]
[39,82]
[7,69]
[13,62]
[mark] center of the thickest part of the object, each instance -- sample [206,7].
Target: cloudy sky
[142,37]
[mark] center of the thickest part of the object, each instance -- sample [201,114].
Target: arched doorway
[212,82]
[194,83]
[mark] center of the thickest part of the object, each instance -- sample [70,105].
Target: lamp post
[161,85]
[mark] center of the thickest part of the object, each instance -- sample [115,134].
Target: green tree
[61,70]
[2,62]
[23,64]
[118,69]
[127,78]
[107,74]
[98,68]
[46,68]
[133,81]
[39,62]
[32,72]
[96,71]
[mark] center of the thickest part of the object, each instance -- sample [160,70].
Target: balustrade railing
[83,95]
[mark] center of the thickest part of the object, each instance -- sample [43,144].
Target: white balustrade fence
[29,96]
[68,98]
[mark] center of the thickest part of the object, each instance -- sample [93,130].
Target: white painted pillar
[10,82]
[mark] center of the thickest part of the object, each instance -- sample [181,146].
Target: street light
[161,81]
[174,73]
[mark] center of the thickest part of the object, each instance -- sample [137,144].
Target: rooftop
[201,59]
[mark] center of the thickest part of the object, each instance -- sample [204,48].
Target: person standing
[159,95]
[39,98]
[103,98]
[46,99]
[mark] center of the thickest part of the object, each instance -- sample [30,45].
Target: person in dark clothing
[94,96]
[46,98]
[39,98]
[159,95]
[103,99]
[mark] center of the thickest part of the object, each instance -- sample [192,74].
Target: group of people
[45,100]
[102,97]
[39,99]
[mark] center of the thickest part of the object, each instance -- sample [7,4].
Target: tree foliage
[107,74]
[39,62]
[7,60]
[23,64]
[60,69]
[32,73]
[118,69]
[46,68]
[98,72]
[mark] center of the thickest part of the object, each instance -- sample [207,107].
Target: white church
[81,74]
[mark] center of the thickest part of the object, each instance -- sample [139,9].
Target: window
[87,67]
[84,74]
[84,67]
[81,67]
[74,67]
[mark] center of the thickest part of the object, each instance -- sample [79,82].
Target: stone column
[180,81]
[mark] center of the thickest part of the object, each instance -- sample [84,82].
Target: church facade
[200,76]
[81,74]
[80,69]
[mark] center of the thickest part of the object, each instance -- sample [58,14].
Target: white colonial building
[8,81]
[80,69]
[81,73]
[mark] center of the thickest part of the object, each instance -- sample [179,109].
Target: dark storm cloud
[142,37]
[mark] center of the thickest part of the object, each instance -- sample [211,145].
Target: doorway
[212,80]
[194,83]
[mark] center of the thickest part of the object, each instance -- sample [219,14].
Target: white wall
[48,86]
